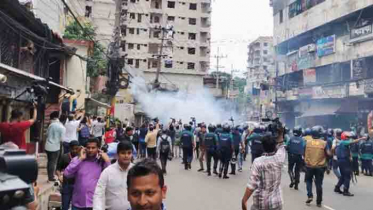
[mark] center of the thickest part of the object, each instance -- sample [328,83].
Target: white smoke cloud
[201,105]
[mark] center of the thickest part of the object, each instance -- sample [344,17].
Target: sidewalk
[46,188]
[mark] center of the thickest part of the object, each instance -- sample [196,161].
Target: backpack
[165,146]
[84,132]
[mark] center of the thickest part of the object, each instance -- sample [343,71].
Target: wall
[75,74]
[316,16]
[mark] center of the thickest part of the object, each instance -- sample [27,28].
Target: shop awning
[22,73]
[321,110]
[99,103]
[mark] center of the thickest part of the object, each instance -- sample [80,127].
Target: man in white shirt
[97,127]
[111,189]
[71,133]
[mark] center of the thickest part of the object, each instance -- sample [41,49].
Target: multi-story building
[260,70]
[325,56]
[186,44]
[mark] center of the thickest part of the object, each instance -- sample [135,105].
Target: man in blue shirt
[188,145]
[295,147]
[226,148]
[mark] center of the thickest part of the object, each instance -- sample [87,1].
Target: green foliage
[97,62]
[239,83]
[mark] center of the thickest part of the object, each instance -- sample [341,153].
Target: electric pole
[218,57]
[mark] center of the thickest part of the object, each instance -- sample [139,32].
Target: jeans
[163,157]
[152,153]
[66,195]
[295,165]
[240,160]
[66,147]
[318,175]
[52,163]
[336,169]
[346,170]
[142,149]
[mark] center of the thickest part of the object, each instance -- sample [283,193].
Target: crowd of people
[114,167]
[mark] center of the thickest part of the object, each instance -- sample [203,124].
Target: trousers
[66,195]
[163,157]
[224,161]
[152,153]
[295,166]
[187,155]
[367,166]
[316,174]
[211,154]
[346,170]
[52,163]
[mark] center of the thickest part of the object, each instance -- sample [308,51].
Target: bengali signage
[305,92]
[368,87]
[305,58]
[309,76]
[358,68]
[326,46]
[361,31]
[329,92]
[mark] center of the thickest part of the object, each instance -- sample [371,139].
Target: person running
[111,190]
[164,146]
[226,149]
[188,145]
[315,158]
[86,170]
[265,177]
[295,147]
[211,146]
[146,186]
[67,184]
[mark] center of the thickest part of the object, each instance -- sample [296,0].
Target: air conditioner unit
[312,48]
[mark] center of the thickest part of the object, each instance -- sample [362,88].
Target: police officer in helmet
[188,145]
[329,143]
[226,148]
[295,147]
[344,163]
[210,146]
[366,150]
[255,139]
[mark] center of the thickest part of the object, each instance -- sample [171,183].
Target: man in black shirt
[67,184]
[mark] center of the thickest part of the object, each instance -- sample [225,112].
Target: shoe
[51,180]
[296,187]
[328,171]
[240,170]
[347,193]
[190,166]
[319,205]
[337,190]
[219,175]
[291,185]
[232,173]
[200,170]
[309,200]
[226,177]
[215,172]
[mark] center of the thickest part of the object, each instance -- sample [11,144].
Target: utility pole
[218,57]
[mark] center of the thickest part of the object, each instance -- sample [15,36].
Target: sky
[234,24]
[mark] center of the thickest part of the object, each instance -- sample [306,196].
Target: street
[195,190]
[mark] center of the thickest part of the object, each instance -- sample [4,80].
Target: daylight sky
[234,24]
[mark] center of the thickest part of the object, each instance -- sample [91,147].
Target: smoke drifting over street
[181,105]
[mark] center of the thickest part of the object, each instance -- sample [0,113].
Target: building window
[138,46]
[265,44]
[131,30]
[192,6]
[191,51]
[265,59]
[154,64]
[156,34]
[191,65]
[265,67]
[137,64]
[130,61]
[138,31]
[133,1]
[130,46]
[171,18]
[192,21]
[281,16]
[157,19]
[132,15]
[265,52]
[139,18]
[171,4]
[88,11]
[168,64]
[192,36]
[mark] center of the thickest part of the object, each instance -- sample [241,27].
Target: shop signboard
[309,76]
[368,88]
[305,93]
[326,46]
[329,92]
[358,69]
[355,89]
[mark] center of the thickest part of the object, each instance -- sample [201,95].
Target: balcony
[205,22]
[206,8]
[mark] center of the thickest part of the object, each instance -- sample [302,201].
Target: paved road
[192,190]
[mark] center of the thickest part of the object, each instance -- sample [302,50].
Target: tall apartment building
[260,69]
[186,47]
[325,57]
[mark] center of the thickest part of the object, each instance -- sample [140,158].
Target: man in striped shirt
[265,176]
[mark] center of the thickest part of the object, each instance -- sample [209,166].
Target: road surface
[192,190]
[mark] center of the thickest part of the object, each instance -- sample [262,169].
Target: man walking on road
[316,154]
[111,190]
[295,147]
[151,141]
[188,145]
[265,178]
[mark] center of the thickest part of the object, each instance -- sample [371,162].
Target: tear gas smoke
[201,105]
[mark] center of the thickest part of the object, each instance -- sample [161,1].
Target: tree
[97,61]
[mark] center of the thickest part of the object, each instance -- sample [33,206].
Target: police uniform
[186,140]
[256,145]
[295,148]
[225,147]
[345,166]
[210,144]
[366,150]
[355,158]
[236,149]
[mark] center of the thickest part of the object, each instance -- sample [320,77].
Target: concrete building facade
[260,70]
[324,53]
[186,47]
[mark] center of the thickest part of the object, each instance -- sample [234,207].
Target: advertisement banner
[361,32]
[329,92]
[326,46]
[358,68]
[309,76]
